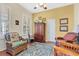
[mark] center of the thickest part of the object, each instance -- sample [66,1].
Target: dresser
[39,35]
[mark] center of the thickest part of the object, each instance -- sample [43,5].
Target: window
[24,26]
[4,21]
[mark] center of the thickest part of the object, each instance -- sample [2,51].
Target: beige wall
[16,12]
[57,14]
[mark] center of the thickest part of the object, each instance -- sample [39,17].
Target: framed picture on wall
[17,22]
[64,28]
[64,21]
[64,24]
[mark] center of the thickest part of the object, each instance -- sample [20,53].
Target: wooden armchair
[59,51]
[69,37]
[65,48]
[67,45]
[14,43]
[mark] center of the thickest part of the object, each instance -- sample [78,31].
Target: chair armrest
[9,46]
[59,38]
[9,42]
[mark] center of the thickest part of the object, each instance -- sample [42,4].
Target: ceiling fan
[41,5]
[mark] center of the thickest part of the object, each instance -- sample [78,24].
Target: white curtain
[4,25]
[4,20]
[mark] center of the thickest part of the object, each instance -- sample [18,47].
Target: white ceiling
[30,6]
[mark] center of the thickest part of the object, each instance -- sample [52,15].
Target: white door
[51,30]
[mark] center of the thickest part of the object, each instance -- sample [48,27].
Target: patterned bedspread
[38,49]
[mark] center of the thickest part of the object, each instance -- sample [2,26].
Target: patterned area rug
[38,49]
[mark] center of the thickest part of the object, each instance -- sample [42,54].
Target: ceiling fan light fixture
[45,7]
[42,5]
[35,7]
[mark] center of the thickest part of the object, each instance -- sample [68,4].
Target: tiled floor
[3,53]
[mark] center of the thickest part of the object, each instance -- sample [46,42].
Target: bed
[38,49]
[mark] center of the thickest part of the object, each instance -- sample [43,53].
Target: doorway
[51,30]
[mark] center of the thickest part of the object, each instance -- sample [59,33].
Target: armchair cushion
[18,43]
[12,36]
[70,36]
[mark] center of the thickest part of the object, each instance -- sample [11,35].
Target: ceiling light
[41,5]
